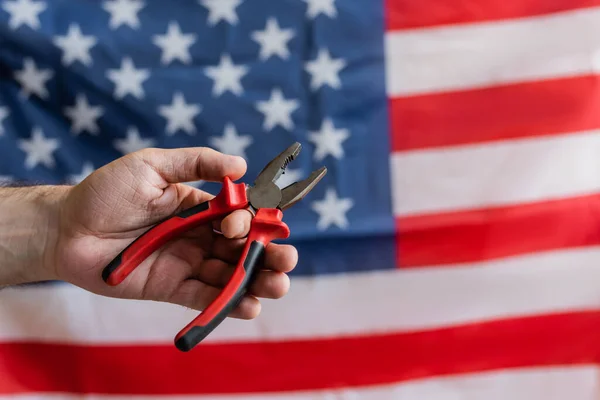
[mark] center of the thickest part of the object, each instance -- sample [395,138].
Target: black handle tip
[111,267]
[192,337]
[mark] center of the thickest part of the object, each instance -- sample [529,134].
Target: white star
[324,70]
[83,116]
[75,46]
[5,179]
[24,12]
[128,79]
[39,149]
[88,168]
[123,12]
[316,7]
[231,143]
[174,44]
[273,40]
[32,79]
[180,115]
[3,114]
[277,110]
[227,76]
[328,140]
[133,142]
[332,210]
[221,10]
[289,176]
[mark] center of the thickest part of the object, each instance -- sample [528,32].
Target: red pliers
[265,200]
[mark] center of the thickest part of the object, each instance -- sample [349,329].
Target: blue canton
[85,82]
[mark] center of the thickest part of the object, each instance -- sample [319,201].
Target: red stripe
[405,14]
[299,365]
[505,112]
[483,234]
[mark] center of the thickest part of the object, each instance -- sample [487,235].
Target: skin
[70,233]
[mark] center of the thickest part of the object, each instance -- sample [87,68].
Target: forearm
[29,224]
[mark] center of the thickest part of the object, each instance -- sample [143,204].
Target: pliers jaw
[266,194]
[296,191]
[273,170]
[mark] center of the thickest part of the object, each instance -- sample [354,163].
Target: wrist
[29,232]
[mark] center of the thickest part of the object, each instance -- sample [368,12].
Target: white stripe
[503,173]
[484,54]
[396,300]
[560,383]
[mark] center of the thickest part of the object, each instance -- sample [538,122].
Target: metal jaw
[266,194]
[295,192]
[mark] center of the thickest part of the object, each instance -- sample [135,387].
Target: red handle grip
[266,226]
[231,197]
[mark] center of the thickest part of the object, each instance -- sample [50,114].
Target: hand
[118,202]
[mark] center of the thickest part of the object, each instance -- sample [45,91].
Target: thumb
[192,164]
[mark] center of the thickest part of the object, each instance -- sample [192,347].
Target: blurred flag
[451,252]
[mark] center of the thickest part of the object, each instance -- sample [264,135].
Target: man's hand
[104,213]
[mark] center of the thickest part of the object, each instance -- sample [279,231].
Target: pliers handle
[267,202]
[266,226]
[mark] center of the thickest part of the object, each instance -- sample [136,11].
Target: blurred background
[449,253]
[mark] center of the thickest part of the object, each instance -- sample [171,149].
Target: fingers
[192,164]
[236,224]
[267,284]
[198,295]
[214,275]
[281,257]
[248,308]
[278,257]
[270,285]
[187,196]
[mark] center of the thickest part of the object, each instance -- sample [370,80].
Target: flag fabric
[451,252]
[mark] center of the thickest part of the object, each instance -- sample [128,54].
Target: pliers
[264,199]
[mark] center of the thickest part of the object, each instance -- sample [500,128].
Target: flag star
[39,149]
[332,210]
[128,79]
[180,115]
[3,114]
[288,177]
[227,76]
[316,7]
[83,116]
[133,142]
[174,44]
[277,110]
[231,143]
[273,40]
[24,12]
[221,10]
[88,168]
[328,140]
[75,46]
[324,70]
[32,79]
[123,12]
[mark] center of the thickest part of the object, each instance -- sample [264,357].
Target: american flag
[451,252]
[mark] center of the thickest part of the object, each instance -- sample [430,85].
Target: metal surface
[293,193]
[273,170]
[266,194]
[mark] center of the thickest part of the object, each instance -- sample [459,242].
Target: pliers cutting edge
[265,200]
